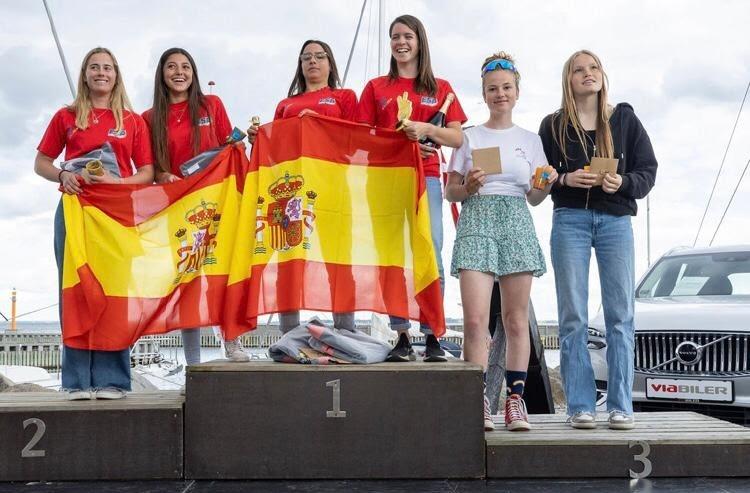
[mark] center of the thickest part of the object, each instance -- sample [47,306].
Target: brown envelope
[600,166]
[487,159]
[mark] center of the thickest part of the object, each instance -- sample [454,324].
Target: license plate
[694,390]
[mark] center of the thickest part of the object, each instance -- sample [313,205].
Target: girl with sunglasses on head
[411,72]
[183,122]
[495,237]
[316,89]
[100,116]
[587,215]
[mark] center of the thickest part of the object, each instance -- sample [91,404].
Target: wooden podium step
[47,438]
[666,444]
[392,420]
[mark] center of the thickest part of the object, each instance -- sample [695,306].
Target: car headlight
[596,339]
[595,333]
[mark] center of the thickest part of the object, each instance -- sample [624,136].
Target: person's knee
[475,323]
[515,323]
[476,335]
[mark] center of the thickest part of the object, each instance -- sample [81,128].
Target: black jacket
[637,164]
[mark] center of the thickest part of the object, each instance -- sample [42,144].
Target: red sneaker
[516,417]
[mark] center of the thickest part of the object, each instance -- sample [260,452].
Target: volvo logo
[688,353]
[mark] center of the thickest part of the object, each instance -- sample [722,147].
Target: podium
[48,438]
[264,420]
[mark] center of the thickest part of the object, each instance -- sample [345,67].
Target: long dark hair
[196,101]
[298,83]
[425,82]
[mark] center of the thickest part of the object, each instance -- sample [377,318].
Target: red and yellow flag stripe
[149,259]
[335,217]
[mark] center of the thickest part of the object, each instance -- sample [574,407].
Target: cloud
[709,81]
[682,65]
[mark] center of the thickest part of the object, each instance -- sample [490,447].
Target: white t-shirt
[521,152]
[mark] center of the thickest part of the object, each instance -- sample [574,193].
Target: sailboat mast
[354,42]
[648,230]
[380,36]
[60,50]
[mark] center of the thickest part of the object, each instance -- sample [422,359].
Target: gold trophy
[95,168]
[404,110]
[254,125]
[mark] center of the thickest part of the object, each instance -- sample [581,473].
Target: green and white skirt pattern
[496,234]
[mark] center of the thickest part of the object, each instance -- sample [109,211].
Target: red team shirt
[214,129]
[338,103]
[378,107]
[130,144]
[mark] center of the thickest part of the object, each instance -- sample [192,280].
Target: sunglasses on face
[320,55]
[498,64]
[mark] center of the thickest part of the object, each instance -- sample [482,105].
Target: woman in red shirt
[316,89]
[411,73]
[183,122]
[100,114]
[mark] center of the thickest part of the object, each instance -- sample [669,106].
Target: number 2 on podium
[28,451]
[336,412]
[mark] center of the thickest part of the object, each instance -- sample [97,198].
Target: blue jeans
[83,369]
[574,233]
[435,201]
[191,345]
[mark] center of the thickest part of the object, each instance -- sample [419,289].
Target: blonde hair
[501,55]
[118,99]
[569,113]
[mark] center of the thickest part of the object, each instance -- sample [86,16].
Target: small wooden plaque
[487,159]
[601,166]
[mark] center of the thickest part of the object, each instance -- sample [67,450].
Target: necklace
[182,113]
[96,117]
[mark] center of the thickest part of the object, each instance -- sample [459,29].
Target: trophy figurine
[95,168]
[404,110]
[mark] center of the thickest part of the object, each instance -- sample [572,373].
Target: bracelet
[59,175]
[562,179]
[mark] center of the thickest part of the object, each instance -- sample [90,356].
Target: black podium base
[391,420]
[44,437]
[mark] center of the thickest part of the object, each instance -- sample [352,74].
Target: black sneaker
[433,353]
[402,352]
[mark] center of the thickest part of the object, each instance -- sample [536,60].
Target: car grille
[728,357]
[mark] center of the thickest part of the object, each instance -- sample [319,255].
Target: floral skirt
[496,234]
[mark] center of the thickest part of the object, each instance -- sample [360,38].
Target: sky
[683,65]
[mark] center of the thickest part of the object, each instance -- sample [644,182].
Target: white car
[692,334]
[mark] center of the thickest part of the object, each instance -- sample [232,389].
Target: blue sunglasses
[500,63]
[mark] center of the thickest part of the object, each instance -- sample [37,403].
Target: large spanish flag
[334,217]
[149,259]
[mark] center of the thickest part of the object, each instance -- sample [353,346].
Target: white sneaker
[489,425]
[234,351]
[582,421]
[78,395]
[109,393]
[618,420]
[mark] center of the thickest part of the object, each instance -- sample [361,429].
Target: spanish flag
[334,217]
[149,259]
